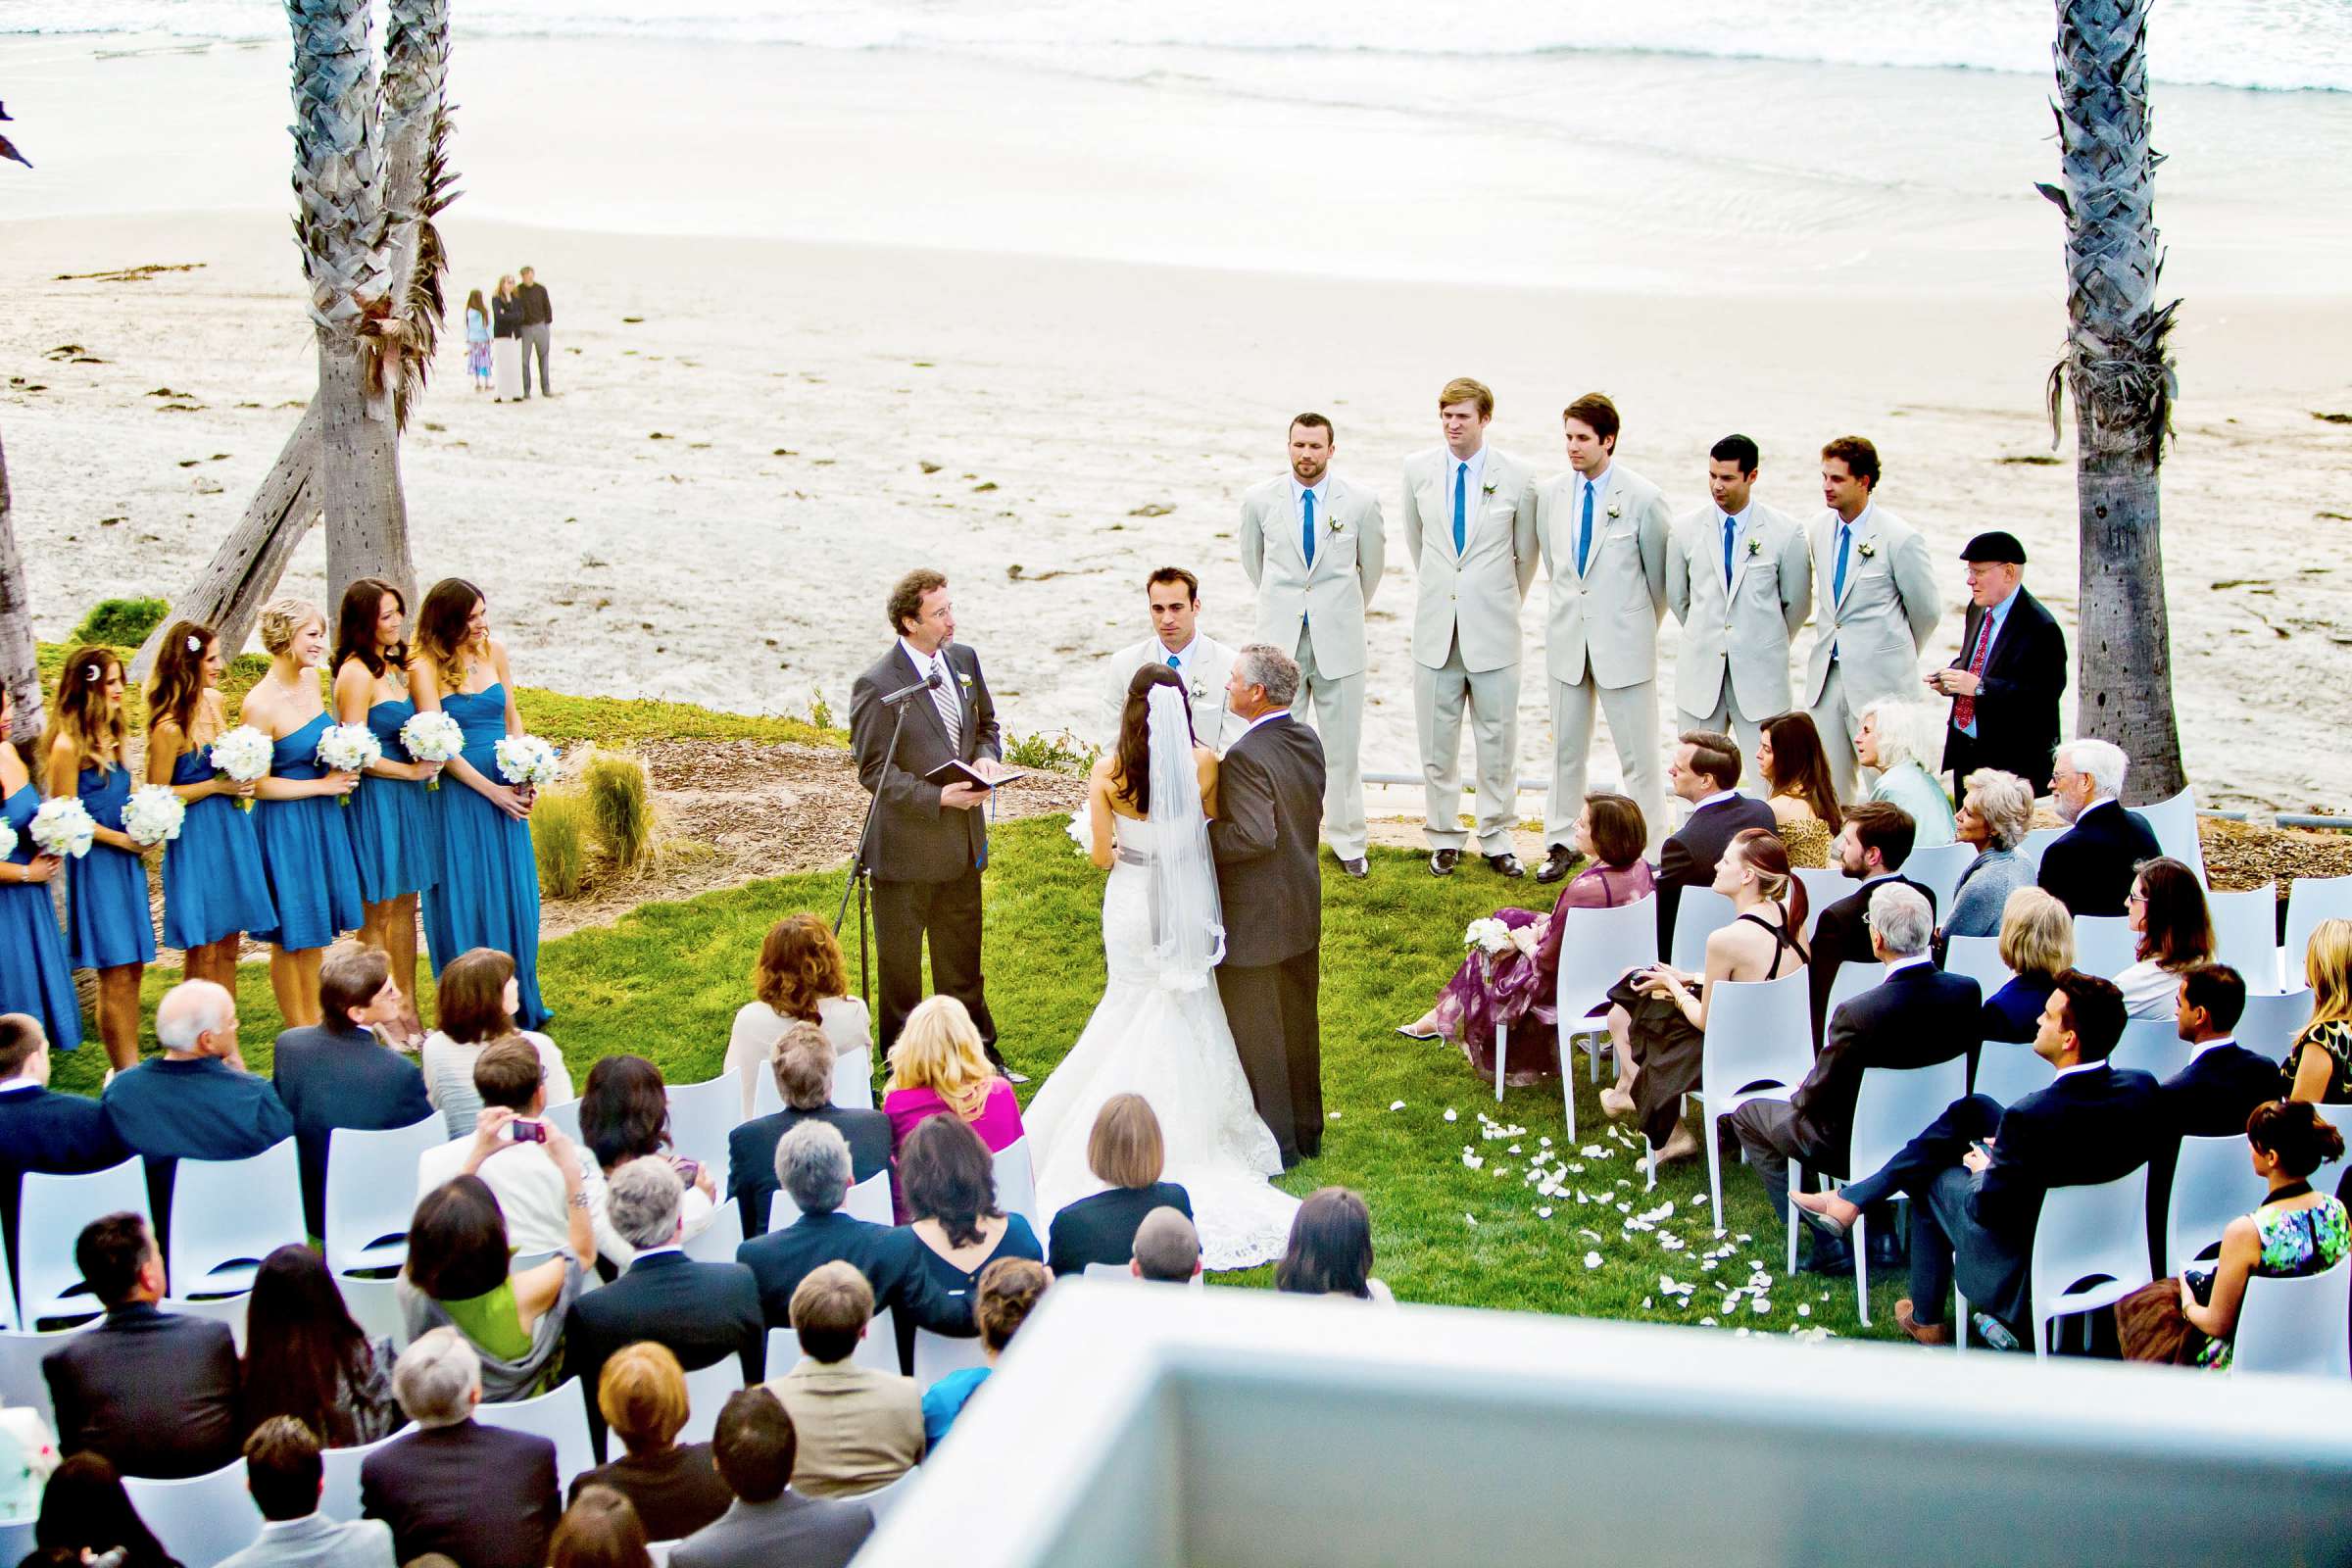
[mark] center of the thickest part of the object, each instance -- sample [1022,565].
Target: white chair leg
[1650,1166]
[1502,1050]
[1707,1119]
[1959,1321]
[1797,1174]
[1860,1243]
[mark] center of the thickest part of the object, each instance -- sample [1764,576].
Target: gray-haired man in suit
[1878,603]
[1739,580]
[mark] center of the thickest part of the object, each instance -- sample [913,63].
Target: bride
[1159,1030]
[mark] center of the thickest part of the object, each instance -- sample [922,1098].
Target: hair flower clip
[89,673]
[195,644]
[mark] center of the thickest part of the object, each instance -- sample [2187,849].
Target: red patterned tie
[1964,709]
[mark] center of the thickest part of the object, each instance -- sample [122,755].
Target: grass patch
[560,823]
[620,807]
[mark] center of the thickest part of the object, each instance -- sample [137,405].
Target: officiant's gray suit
[1731,672]
[1868,626]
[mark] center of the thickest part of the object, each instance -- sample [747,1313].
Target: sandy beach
[809,343]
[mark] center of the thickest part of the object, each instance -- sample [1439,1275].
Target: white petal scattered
[1592,1260]
[1594,1151]
[1450,1115]
[1396,1105]
[1645,1303]
[1759,1305]
[1472,1162]
[1740,1333]
[1706,1262]
[1542,1214]
[1698,1198]
[1469,1219]
[1706,1322]
[1804,1310]
[1513,1149]
[1589,1235]
[1334,1117]
[1546,1142]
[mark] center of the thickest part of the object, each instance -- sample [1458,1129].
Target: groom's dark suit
[1270,819]
[926,857]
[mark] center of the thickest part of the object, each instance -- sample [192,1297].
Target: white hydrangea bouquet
[432,738]
[1493,938]
[244,755]
[62,827]
[527,760]
[153,814]
[8,839]
[1082,832]
[348,748]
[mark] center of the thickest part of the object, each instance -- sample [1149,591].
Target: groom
[1270,817]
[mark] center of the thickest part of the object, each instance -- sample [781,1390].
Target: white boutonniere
[1866,550]
[1616,509]
[1755,547]
[1488,487]
[1200,690]
[964,681]
[1331,522]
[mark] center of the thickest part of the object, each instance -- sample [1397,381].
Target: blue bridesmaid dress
[108,922]
[392,829]
[35,977]
[488,895]
[306,850]
[214,885]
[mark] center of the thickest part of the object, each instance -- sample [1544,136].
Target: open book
[960,772]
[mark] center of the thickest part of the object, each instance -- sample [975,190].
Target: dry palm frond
[417,128]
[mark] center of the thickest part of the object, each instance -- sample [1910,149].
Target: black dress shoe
[1505,864]
[1558,863]
[1443,862]
[1358,868]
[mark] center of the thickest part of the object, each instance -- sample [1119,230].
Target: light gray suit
[1466,636]
[317,1541]
[1873,631]
[1203,673]
[1602,638]
[1731,672]
[1317,608]
[794,1529]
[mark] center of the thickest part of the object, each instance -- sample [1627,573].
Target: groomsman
[1604,531]
[1200,661]
[2011,671]
[1877,590]
[1738,581]
[1313,546]
[1470,529]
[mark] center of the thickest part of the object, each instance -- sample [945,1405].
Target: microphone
[928,683]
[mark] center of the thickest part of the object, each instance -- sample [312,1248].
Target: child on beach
[477,340]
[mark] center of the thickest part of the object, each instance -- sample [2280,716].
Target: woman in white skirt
[505,342]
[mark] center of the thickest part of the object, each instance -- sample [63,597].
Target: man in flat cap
[2006,682]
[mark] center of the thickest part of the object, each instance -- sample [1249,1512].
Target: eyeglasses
[2136,898]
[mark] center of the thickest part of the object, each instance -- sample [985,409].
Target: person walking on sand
[506,341]
[477,340]
[537,317]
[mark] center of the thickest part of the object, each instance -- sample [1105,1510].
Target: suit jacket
[1203,673]
[1889,608]
[891,1259]
[703,1313]
[2013,1013]
[154,1392]
[1604,621]
[675,1491]
[331,1077]
[1920,1017]
[2085,1128]
[481,1495]
[2089,867]
[59,1134]
[1842,936]
[1269,820]
[751,1155]
[201,1108]
[2017,705]
[2214,1095]
[1322,602]
[1689,858]
[859,1429]
[314,1541]
[1473,595]
[1740,634]
[1100,1229]
[805,1531]
[916,839]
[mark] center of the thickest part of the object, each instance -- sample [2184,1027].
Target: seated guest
[1167,1249]
[520,1166]
[801,978]
[286,1477]
[1704,770]
[2319,1065]
[802,1064]
[2167,908]
[952,1189]
[1008,1292]
[1916,1018]
[2037,942]
[196,1100]
[2214,1095]
[478,994]
[700,1313]
[1126,1150]
[1520,989]
[857,1428]
[87,1516]
[1995,810]
[600,1529]
[336,1073]
[306,1359]
[1872,846]
[458,1277]
[768,1523]
[41,1130]
[1899,739]
[1798,787]
[812,1164]
[154,1392]
[939,1067]
[2088,867]
[625,1116]
[674,1487]
[481,1495]
[1658,1014]
[2187,1320]
[1331,1249]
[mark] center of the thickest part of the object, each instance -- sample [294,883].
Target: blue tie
[1584,532]
[1845,534]
[1307,525]
[1731,527]
[1461,477]
[1172,661]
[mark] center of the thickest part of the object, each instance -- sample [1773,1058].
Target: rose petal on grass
[1450,1115]
[1542,1214]
[1804,1310]
[1396,1105]
[1759,1305]
[1592,1260]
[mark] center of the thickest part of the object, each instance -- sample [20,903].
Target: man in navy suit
[1706,771]
[196,1100]
[2089,867]
[2010,672]
[481,1495]
[335,1073]
[803,1069]
[2214,1095]
[1871,845]
[41,1130]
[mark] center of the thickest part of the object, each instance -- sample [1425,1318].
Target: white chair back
[877,1352]
[1938,868]
[716,1242]
[2309,900]
[339,1499]
[560,1416]
[869,1200]
[228,1309]
[1979,958]
[228,1214]
[371,1192]
[567,1118]
[2213,1184]
[658,1553]
[1016,1183]
[2090,1249]
[2007,1073]
[2295,1325]
[701,1115]
[937,1355]
[2174,824]
[375,1305]
[1852,980]
[2270,1022]
[2151,1045]
[2038,840]
[1702,912]
[51,1211]
[8,1295]
[1825,885]
[2246,935]
[852,1084]
[1597,946]
[1894,1105]
[1110,1273]
[22,1382]
[1759,1046]
[883,1500]
[707,1389]
[2104,943]
[201,1520]
[2338,1117]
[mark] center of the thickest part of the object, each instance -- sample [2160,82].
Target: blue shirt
[944,1400]
[1996,614]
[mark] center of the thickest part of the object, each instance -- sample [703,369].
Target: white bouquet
[432,738]
[1493,938]
[1082,832]
[244,755]
[8,840]
[527,760]
[153,814]
[64,827]
[348,748]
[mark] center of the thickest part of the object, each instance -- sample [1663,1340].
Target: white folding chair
[2269,1025]
[701,1115]
[339,1496]
[1108,1273]
[1938,868]
[1596,948]
[2038,840]
[22,1382]
[2246,935]
[560,1416]
[375,1305]
[1852,980]
[706,1390]
[8,1295]
[1758,1047]
[2174,824]
[1979,958]
[2151,1045]
[201,1520]
[2007,1073]
[869,1200]
[2309,900]
[877,1352]
[882,1499]
[1016,1183]
[2295,1325]
[51,1211]
[853,1080]
[371,1192]
[2338,1117]
[566,1118]
[658,1553]
[716,1242]
[937,1354]
[228,1214]
[2090,1249]
[2213,1184]
[1702,912]
[228,1309]
[1891,1106]
[2104,945]
[1824,885]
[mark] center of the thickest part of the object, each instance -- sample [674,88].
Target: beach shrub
[120,622]
[560,827]
[821,711]
[620,807]
[1058,753]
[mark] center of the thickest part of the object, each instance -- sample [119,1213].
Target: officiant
[1200,661]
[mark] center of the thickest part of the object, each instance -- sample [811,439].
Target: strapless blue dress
[488,895]
[108,922]
[306,852]
[35,977]
[214,885]
[392,829]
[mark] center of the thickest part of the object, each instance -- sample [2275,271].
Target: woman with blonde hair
[1899,740]
[2038,943]
[938,1068]
[84,755]
[2319,1067]
[1127,1155]
[215,889]
[801,977]
[1995,810]
[674,1487]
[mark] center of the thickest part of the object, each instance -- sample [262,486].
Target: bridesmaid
[213,888]
[488,896]
[392,828]
[108,925]
[33,975]
[305,836]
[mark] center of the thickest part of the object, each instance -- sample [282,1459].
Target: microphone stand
[861,866]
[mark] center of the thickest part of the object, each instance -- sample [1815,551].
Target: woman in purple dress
[1520,990]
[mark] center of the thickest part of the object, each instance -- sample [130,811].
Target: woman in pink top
[939,1067]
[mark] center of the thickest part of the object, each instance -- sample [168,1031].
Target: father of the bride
[929,840]
[1270,819]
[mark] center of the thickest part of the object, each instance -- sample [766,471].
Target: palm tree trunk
[2121,379]
[19,654]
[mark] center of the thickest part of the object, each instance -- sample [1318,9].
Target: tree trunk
[19,654]
[358,483]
